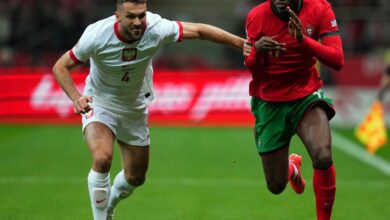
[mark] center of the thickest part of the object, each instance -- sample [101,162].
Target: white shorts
[128,127]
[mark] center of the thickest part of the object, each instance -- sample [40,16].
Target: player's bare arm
[246,51]
[61,71]
[211,33]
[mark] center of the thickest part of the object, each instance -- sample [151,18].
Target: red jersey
[292,74]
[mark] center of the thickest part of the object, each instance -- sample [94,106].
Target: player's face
[132,19]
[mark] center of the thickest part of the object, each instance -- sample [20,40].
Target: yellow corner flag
[371,132]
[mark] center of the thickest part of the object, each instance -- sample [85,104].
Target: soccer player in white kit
[118,90]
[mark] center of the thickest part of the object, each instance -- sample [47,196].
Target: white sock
[99,192]
[120,189]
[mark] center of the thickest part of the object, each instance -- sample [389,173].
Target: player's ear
[117,15]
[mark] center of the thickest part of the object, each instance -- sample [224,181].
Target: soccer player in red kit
[286,38]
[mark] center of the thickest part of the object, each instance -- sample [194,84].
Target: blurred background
[37,32]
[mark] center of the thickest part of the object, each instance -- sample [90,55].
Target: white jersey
[121,73]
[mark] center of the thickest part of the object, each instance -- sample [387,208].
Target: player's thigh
[275,166]
[312,123]
[99,128]
[135,159]
[133,139]
[314,131]
[314,127]
[314,113]
[99,138]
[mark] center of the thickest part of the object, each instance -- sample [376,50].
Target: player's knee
[103,162]
[136,180]
[322,159]
[323,163]
[276,188]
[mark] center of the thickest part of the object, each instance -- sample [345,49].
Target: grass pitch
[194,174]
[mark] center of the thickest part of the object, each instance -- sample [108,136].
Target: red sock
[290,171]
[324,184]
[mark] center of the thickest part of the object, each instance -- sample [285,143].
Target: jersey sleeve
[85,47]
[253,32]
[252,26]
[170,31]
[328,23]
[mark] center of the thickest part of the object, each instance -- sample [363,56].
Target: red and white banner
[182,98]
[211,97]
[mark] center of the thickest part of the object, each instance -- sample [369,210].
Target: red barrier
[182,98]
[31,95]
[363,71]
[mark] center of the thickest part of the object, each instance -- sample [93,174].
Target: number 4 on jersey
[125,77]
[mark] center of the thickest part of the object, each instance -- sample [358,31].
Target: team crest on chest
[309,30]
[129,54]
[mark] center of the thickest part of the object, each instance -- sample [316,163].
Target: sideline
[352,149]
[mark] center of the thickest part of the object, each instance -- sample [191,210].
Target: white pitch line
[183,181]
[351,148]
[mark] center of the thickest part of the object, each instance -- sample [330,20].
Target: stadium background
[204,164]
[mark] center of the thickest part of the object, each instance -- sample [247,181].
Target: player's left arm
[211,33]
[329,51]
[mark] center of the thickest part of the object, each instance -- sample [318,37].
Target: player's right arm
[253,49]
[61,70]
[211,33]
[259,43]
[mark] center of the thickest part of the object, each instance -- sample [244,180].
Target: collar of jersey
[285,16]
[120,37]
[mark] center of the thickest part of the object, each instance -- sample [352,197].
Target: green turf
[195,174]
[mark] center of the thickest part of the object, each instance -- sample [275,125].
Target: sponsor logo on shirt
[129,54]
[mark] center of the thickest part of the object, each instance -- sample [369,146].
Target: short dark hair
[132,1]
